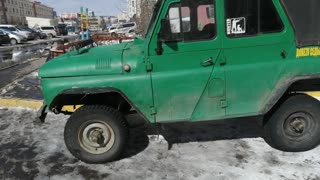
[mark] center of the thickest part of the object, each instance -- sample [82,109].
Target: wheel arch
[94,96]
[288,87]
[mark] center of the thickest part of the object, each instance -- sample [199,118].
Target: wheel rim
[97,137]
[298,125]
[13,41]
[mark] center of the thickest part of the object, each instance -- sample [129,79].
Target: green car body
[202,80]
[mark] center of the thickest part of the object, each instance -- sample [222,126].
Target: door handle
[208,62]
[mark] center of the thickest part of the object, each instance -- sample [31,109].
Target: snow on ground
[218,150]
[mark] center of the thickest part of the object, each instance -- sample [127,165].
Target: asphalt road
[13,73]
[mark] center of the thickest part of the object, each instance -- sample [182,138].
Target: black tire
[295,125]
[78,135]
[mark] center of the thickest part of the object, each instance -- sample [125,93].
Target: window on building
[251,17]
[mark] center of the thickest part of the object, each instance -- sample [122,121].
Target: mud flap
[42,114]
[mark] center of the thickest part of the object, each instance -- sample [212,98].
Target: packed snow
[220,150]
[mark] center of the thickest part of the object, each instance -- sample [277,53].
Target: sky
[100,7]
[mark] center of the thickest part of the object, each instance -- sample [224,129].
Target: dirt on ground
[220,150]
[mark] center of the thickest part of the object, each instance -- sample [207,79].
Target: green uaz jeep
[199,60]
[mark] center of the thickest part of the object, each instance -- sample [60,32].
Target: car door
[180,73]
[256,43]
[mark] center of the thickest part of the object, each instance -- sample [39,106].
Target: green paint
[175,86]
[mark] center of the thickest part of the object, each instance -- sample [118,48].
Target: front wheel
[96,134]
[50,36]
[295,125]
[13,41]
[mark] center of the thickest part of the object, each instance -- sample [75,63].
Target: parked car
[15,38]
[123,28]
[20,31]
[36,34]
[49,30]
[62,30]
[4,38]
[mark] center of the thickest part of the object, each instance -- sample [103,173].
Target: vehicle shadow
[185,132]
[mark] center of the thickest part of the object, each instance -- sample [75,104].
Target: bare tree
[4,10]
[146,13]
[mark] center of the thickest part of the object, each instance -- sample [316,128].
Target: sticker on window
[236,25]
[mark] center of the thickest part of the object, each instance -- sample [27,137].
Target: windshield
[20,28]
[153,17]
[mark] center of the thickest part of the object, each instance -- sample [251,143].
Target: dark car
[4,38]
[23,28]
[39,34]
[35,34]
[62,30]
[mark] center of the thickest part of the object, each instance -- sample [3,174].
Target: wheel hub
[298,125]
[96,138]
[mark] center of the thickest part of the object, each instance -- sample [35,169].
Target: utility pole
[4,10]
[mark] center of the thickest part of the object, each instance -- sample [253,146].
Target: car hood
[101,60]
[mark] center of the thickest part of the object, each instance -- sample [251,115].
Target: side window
[192,20]
[251,17]
[177,22]
[205,16]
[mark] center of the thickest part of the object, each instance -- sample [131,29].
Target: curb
[29,103]
[15,102]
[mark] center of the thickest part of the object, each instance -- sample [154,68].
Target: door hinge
[153,110]
[223,61]
[223,104]
[149,66]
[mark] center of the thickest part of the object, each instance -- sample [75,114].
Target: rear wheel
[13,41]
[295,125]
[50,36]
[96,134]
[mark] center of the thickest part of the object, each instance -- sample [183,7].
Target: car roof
[6,25]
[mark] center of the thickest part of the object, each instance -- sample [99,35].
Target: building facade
[134,8]
[42,11]
[16,11]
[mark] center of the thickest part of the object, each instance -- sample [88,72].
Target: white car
[14,37]
[17,30]
[49,30]
[123,28]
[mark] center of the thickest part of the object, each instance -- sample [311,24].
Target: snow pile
[212,150]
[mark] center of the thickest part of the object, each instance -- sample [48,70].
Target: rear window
[47,28]
[20,28]
[128,25]
[9,28]
[62,25]
[251,18]
[304,16]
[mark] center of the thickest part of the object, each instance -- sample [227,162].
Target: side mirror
[164,35]
[165,30]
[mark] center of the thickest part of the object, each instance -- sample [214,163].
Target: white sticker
[236,25]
